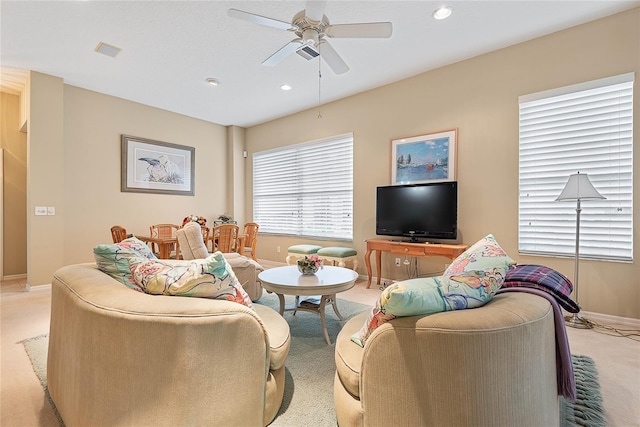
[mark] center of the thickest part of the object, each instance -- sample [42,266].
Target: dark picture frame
[158,167]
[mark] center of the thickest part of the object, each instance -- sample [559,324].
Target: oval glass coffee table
[327,282]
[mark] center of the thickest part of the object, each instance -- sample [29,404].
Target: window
[306,189]
[588,128]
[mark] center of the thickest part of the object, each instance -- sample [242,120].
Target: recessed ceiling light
[442,12]
[107,49]
[212,81]
[285,87]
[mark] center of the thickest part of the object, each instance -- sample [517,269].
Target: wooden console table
[408,249]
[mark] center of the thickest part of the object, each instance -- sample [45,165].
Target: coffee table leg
[281,298]
[297,303]
[323,300]
[334,303]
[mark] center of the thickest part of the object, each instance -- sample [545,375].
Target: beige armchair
[489,366]
[192,246]
[118,357]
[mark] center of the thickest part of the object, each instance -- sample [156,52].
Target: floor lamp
[578,188]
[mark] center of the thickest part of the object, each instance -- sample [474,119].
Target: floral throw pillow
[115,259]
[211,277]
[477,274]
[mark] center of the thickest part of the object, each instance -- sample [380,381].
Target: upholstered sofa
[489,366]
[118,357]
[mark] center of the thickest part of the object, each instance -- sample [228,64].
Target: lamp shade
[579,187]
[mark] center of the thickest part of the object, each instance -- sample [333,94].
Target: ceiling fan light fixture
[443,12]
[310,37]
[212,81]
[285,87]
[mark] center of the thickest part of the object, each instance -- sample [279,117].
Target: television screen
[418,211]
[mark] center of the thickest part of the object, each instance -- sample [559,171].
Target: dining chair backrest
[251,239]
[118,233]
[225,237]
[205,234]
[163,231]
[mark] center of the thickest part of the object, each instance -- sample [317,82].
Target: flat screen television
[418,211]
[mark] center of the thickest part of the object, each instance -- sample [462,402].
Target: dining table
[165,245]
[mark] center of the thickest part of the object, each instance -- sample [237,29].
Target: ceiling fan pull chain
[319,86]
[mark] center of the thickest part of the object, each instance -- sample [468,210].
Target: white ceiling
[169,48]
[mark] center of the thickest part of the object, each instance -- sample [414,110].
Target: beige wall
[478,96]
[93,200]
[45,177]
[76,168]
[236,173]
[14,203]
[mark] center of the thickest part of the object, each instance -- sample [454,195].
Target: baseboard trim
[609,319]
[46,286]
[14,277]
[374,281]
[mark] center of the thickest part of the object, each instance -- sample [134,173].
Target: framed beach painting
[424,158]
[157,167]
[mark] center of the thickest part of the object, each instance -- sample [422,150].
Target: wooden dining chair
[225,237]
[163,231]
[118,233]
[205,235]
[251,239]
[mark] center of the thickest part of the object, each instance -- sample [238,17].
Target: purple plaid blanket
[545,279]
[564,366]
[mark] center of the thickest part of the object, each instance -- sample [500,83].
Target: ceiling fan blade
[262,20]
[331,57]
[364,30]
[282,53]
[314,11]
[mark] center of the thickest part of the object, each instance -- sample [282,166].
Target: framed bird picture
[157,167]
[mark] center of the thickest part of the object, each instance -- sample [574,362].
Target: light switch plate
[41,210]
[51,210]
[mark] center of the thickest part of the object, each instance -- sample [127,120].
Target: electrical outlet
[397,262]
[278,249]
[41,210]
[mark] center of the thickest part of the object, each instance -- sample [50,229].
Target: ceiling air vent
[107,49]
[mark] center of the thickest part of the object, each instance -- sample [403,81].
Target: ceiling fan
[312,29]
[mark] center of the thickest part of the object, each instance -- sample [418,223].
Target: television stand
[409,249]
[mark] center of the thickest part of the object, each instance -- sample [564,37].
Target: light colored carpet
[310,371]
[308,392]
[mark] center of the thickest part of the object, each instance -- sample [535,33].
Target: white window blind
[586,128]
[306,189]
